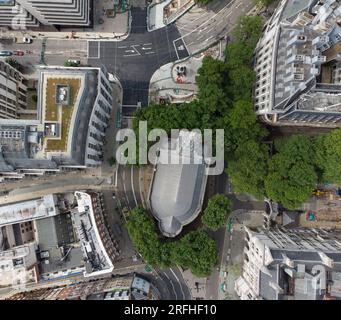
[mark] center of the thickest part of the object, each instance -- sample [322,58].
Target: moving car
[6,53]
[18,53]
[24,40]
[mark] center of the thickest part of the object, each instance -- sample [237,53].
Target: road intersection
[135,59]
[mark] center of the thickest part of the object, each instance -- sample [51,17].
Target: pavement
[230,244]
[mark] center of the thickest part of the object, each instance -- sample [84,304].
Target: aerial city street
[170,150]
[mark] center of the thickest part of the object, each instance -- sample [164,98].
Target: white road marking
[150,52]
[132,183]
[176,50]
[171,282]
[137,53]
[98,49]
[183,294]
[209,20]
[122,47]
[124,188]
[147,44]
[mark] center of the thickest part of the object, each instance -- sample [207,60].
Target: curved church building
[177,190]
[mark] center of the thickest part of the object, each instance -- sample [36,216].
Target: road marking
[147,44]
[132,183]
[171,282]
[98,49]
[176,51]
[209,20]
[124,188]
[182,291]
[151,52]
[137,53]
[122,47]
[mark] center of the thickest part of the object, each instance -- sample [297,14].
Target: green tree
[14,63]
[197,251]
[217,211]
[204,2]
[68,63]
[243,123]
[248,168]
[142,232]
[248,30]
[211,80]
[292,176]
[328,156]
[263,3]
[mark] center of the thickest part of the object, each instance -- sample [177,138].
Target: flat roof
[28,210]
[98,261]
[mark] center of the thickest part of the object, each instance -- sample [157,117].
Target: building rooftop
[298,64]
[97,259]
[59,114]
[28,210]
[177,202]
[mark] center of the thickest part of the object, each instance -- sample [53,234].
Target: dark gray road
[135,59]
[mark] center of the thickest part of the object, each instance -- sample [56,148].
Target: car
[74,61]
[27,40]
[18,53]
[6,53]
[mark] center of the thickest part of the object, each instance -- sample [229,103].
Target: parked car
[18,53]
[74,61]
[6,53]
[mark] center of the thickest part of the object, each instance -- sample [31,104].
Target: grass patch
[51,111]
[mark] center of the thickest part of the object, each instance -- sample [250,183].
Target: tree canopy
[292,176]
[248,168]
[328,156]
[217,211]
[142,232]
[196,250]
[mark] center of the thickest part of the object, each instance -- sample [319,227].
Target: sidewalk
[175,82]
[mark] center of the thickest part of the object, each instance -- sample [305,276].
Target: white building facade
[298,65]
[295,264]
[34,13]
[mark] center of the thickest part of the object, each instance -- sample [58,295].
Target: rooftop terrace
[58,113]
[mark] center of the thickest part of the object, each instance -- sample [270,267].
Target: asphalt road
[135,59]
[56,52]
[175,284]
[128,186]
[201,27]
